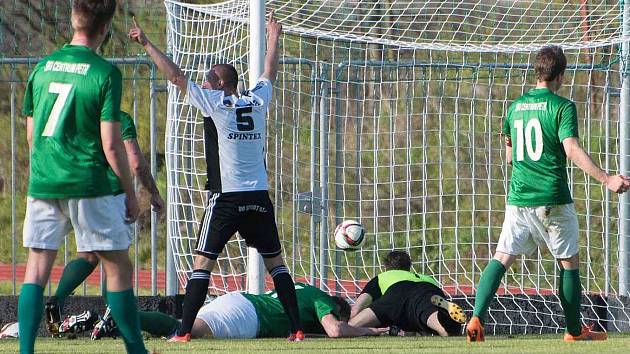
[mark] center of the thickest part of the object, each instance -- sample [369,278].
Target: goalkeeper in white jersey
[238,198]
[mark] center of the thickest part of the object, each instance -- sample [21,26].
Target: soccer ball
[349,235]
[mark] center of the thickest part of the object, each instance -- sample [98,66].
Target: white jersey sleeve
[204,100]
[261,93]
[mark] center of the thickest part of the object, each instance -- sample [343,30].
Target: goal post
[389,113]
[255,268]
[624,139]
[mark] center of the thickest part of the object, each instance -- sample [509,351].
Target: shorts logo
[252,207]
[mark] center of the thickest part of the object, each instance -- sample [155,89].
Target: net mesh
[389,113]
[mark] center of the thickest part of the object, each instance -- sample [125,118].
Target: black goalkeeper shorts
[248,213]
[408,306]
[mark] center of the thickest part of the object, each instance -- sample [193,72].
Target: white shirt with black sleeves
[235,135]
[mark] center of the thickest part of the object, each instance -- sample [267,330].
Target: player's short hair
[228,74]
[89,16]
[344,308]
[550,62]
[398,260]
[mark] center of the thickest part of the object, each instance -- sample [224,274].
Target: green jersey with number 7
[537,123]
[68,94]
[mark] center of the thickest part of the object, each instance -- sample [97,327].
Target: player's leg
[557,226]
[570,293]
[217,227]
[99,225]
[257,225]
[121,299]
[285,288]
[515,239]
[489,282]
[44,226]
[74,273]
[443,324]
[196,292]
[158,323]
[434,323]
[31,300]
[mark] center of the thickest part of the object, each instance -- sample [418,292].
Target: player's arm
[575,153]
[164,64]
[338,329]
[364,300]
[371,291]
[29,131]
[117,159]
[141,169]
[274,30]
[508,149]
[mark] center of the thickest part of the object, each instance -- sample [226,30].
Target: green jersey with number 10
[537,123]
[68,94]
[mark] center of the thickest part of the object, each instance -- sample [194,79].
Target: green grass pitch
[547,344]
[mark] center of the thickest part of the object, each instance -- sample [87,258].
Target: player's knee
[205,261]
[273,262]
[570,263]
[91,257]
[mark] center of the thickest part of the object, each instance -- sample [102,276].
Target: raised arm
[575,153]
[141,169]
[338,329]
[164,64]
[274,30]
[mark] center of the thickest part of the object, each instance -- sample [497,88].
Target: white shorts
[230,316]
[99,223]
[526,228]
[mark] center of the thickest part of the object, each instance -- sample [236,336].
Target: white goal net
[389,113]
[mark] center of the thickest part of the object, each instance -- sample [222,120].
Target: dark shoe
[52,312]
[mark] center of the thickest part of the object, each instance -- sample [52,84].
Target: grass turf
[548,344]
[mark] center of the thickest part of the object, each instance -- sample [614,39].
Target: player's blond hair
[89,16]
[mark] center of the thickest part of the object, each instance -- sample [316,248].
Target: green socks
[30,313]
[487,288]
[158,323]
[124,310]
[74,273]
[570,293]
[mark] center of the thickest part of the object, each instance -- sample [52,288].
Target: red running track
[236,282]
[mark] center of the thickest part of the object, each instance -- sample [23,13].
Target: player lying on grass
[240,315]
[543,129]
[409,301]
[77,270]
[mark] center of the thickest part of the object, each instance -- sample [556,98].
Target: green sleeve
[27,106]
[324,305]
[568,124]
[127,128]
[111,95]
